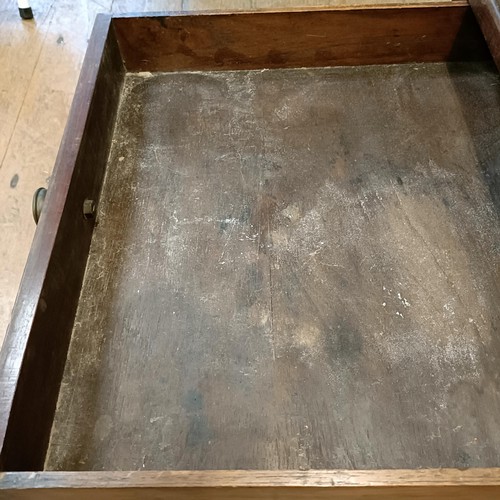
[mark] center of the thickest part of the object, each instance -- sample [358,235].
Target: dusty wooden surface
[292,269]
[451,484]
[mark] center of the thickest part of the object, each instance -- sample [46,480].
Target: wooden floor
[39,65]
[289,272]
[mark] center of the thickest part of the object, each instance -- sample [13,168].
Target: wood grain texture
[291,272]
[477,484]
[303,38]
[252,5]
[34,351]
[488,16]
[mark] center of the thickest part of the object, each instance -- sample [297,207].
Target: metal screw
[88,209]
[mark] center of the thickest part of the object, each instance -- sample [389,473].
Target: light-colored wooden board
[445,484]
[280,4]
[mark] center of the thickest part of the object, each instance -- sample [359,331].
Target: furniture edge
[298,9]
[484,483]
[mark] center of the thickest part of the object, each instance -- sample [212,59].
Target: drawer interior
[292,269]
[295,257]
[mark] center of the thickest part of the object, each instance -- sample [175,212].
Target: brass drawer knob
[37,203]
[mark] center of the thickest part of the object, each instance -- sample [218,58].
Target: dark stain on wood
[344,344]
[14,180]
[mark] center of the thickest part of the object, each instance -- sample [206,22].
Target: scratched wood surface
[292,269]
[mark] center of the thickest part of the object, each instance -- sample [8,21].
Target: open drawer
[267,265]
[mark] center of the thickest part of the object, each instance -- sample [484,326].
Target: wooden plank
[488,15]
[445,484]
[299,38]
[34,350]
